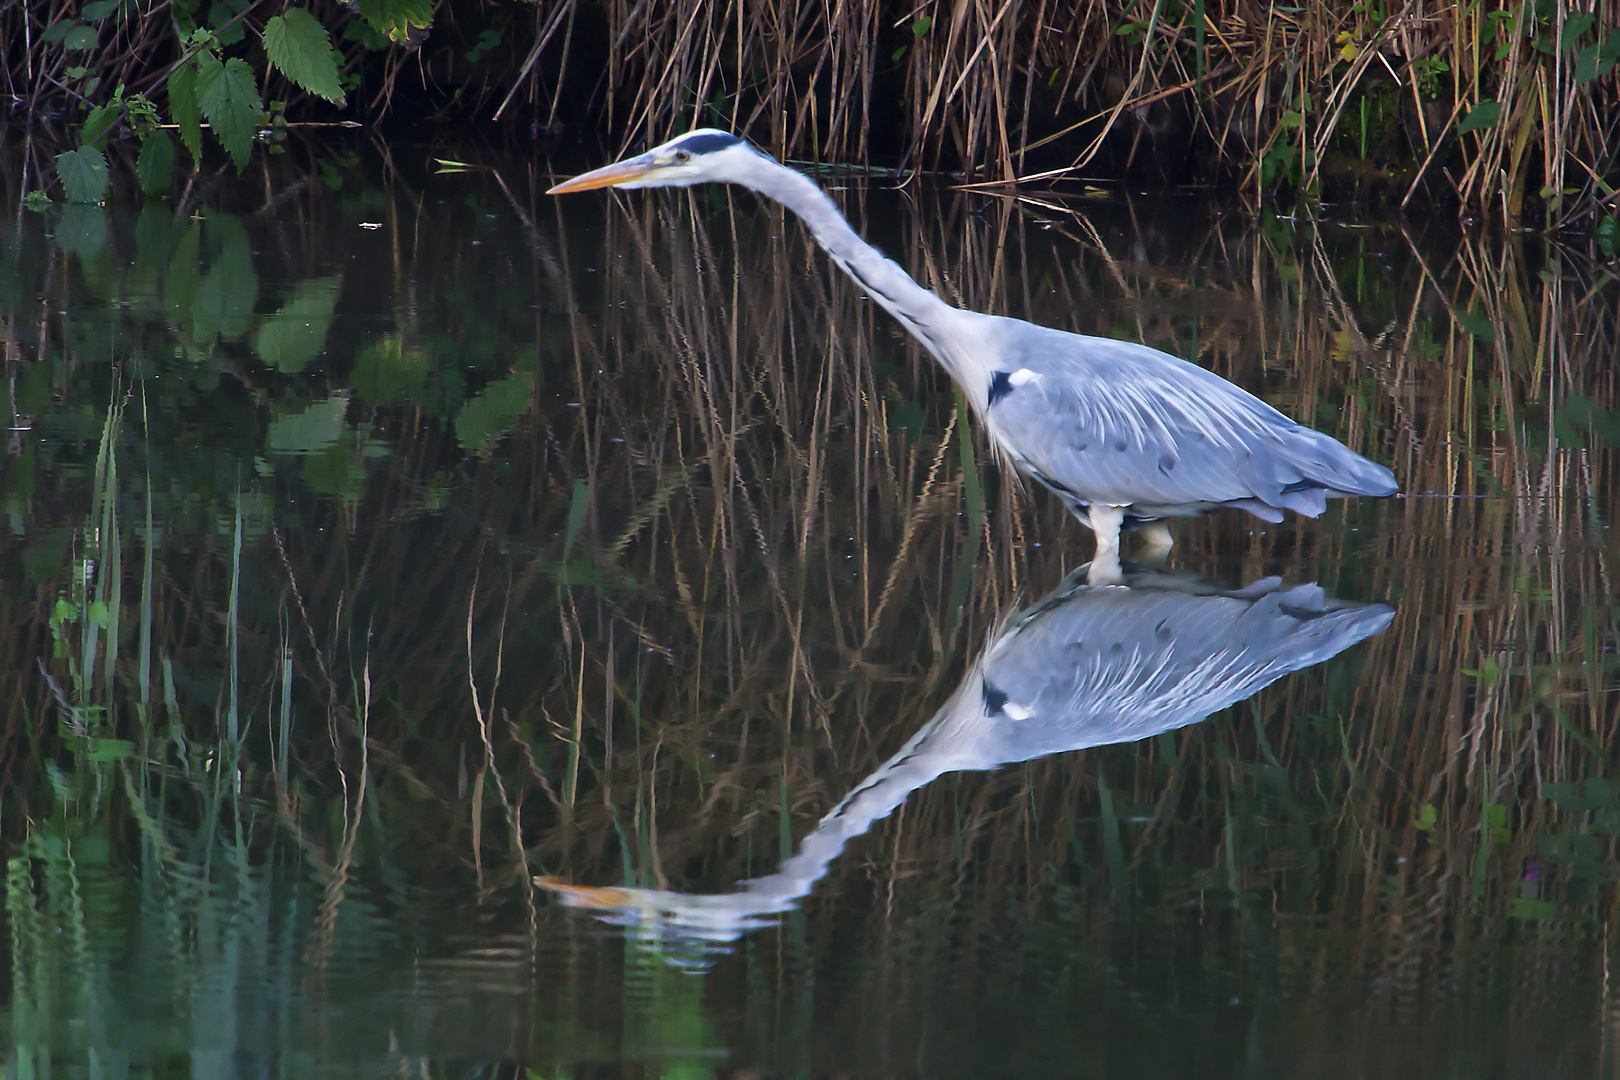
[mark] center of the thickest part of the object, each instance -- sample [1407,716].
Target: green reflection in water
[615,548]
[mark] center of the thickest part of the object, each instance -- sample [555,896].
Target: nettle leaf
[298,45]
[295,335]
[1483,115]
[82,38]
[229,98]
[83,173]
[397,18]
[155,166]
[101,118]
[184,108]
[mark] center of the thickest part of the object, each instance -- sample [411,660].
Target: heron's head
[694,158]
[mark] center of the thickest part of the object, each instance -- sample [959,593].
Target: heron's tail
[1312,468]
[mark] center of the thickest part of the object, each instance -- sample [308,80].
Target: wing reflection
[1084,666]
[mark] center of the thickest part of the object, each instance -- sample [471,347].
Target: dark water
[460,632]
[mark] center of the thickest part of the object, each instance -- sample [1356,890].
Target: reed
[1503,110]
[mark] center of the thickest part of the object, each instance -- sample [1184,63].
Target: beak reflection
[1083,666]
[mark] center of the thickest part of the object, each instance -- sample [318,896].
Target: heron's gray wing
[1111,665]
[1119,423]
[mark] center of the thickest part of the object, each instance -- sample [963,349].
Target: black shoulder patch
[708,142]
[994,700]
[1000,386]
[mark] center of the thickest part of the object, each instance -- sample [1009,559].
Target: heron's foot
[1105,568]
[1105,571]
[1156,538]
[1154,552]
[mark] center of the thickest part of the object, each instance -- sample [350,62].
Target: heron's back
[1121,424]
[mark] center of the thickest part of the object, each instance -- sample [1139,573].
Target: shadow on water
[380,540]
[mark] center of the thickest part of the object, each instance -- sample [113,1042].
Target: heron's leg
[1105,522]
[1156,543]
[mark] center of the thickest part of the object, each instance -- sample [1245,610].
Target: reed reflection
[1084,666]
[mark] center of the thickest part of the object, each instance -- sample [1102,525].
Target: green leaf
[1290,119]
[1480,325]
[298,45]
[82,229]
[1483,115]
[1611,48]
[397,18]
[1525,907]
[56,32]
[229,98]
[295,335]
[1594,61]
[101,118]
[310,431]
[82,38]
[483,419]
[155,166]
[223,303]
[98,10]
[185,110]
[923,24]
[83,173]
[1574,26]
[102,750]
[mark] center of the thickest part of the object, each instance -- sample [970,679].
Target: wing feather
[1123,424]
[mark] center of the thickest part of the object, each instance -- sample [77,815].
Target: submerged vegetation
[1508,109]
[333,596]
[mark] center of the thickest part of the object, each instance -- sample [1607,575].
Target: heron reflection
[1084,666]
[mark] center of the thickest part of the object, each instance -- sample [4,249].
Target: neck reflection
[1083,666]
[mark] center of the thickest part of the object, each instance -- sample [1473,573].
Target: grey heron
[1084,666]
[1123,434]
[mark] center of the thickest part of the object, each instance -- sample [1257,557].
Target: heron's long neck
[922,313]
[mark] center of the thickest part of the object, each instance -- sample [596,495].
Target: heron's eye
[682,157]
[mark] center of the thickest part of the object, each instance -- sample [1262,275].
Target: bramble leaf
[183,107]
[229,98]
[83,173]
[298,45]
[155,166]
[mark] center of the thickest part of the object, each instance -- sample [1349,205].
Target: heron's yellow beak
[607,176]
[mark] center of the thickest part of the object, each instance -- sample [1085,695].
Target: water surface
[382,539]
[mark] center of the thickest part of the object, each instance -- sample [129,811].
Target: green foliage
[397,18]
[183,107]
[155,166]
[228,96]
[486,416]
[83,173]
[300,49]
[1483,115]
[311,431]
[295,335]
[80,39]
